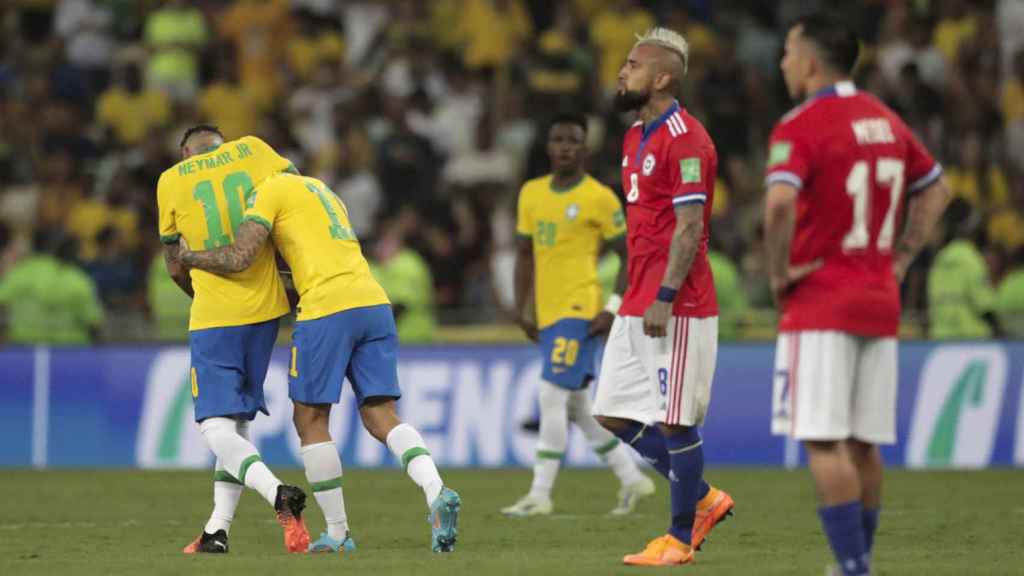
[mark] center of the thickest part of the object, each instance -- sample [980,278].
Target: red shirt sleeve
[691,167]
[789,157]
[922,169]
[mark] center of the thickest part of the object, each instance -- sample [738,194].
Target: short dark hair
[197,129]
[834,37]
[568,118]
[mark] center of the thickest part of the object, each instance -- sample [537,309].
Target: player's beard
[629,100]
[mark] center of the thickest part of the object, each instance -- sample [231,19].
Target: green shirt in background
[607,273]
[406,280]
[49,302]
[732,300]
[169,304]
[175,36]
[959,293]
[1010,303]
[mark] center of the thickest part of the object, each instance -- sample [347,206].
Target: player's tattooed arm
[177,270]
[923,212]
[236,257]
[523,286]
[685,241]
[681,252]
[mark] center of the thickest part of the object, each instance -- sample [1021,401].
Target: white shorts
[658,379]
[832,386]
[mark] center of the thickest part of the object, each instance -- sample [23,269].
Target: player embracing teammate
[841,168]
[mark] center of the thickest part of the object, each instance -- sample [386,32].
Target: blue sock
[686,456]
[870,516]
[649,442]
[844,527]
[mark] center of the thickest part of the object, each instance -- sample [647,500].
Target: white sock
[323,471]
[407,445]
[607,446]
[552,439]
[227,491]
[239,457]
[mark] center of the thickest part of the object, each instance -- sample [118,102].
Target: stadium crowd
[425,117]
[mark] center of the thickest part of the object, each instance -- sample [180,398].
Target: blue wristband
[666,294]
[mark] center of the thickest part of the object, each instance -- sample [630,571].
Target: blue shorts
[569,353]
[228,368]
[360,344]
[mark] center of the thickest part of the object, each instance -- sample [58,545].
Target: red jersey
[671,163]
[854,163]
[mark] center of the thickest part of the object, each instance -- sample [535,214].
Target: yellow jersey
[203,199]
[311,229]
[567,228]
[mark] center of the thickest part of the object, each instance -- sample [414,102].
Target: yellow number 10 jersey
[567,228]
[203,199]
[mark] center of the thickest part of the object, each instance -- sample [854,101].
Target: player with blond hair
[655,380]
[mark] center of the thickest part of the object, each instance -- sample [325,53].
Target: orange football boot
[712,509]
[662,551]
[289,504]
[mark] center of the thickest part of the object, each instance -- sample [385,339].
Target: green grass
[129,522]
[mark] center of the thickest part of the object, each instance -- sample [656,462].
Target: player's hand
[601,324]
[794,274]
[183,251]
[529,328]
[899,270]
[656,319]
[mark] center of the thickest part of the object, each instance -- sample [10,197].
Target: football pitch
[132,522]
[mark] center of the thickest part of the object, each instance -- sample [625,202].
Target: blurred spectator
[226,104]
[613,32]
[48,299]
[311,108]
[406,163]
[129,111]
[956,27]
[260,30]
[960,296]
[60,189]
[112,269]
[981,183]
[356,184]
[175,34]
[1010,298]
[86,27]
[1013,92]
[168,305]
[491,31]
[913,46]
[316,42]
[559,74]
[405,277]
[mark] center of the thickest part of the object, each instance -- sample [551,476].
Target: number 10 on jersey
[236,188]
